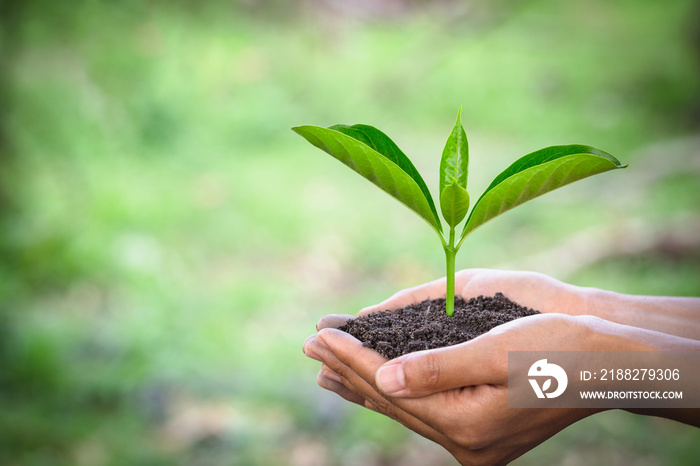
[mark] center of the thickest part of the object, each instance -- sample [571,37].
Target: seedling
[376,157]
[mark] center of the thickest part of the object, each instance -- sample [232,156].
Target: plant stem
[450,253]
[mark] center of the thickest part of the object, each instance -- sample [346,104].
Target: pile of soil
[426,325]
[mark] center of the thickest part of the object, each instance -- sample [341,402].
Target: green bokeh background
[167,243]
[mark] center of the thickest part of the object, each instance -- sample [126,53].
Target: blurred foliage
[166,242]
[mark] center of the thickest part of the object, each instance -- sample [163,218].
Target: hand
[457,396]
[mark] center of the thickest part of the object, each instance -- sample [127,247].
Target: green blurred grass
[168,243]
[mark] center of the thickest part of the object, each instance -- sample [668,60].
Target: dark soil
[427,326]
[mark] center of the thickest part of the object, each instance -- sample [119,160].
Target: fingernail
[391,378]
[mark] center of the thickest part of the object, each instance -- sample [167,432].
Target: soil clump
[426,325]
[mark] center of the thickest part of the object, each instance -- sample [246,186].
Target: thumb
[426,372]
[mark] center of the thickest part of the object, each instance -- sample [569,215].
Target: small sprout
[377,158]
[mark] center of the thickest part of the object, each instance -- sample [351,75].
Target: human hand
[457,396]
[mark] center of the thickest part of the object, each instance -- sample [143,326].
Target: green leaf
[454,165]
[535,174]
[383,144]
[398,180]
[454,203]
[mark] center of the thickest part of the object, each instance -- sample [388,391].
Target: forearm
[608,335]
[670,315]
[615,337]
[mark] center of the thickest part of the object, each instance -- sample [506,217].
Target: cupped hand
[457,396]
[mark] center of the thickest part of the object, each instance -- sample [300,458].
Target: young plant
[376,157]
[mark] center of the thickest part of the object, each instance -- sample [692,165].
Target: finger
[364,388]
[327,381]
[431,290]
[480,361]
[362,385]
[487,283]
[409,296]
[528,289]
[463,277]
[364,363]
[333,321]
[350,380]
[308,351]
[370,405]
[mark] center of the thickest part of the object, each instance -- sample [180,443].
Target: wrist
[604,304]
[604,335]
[666,317]
[614,308]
